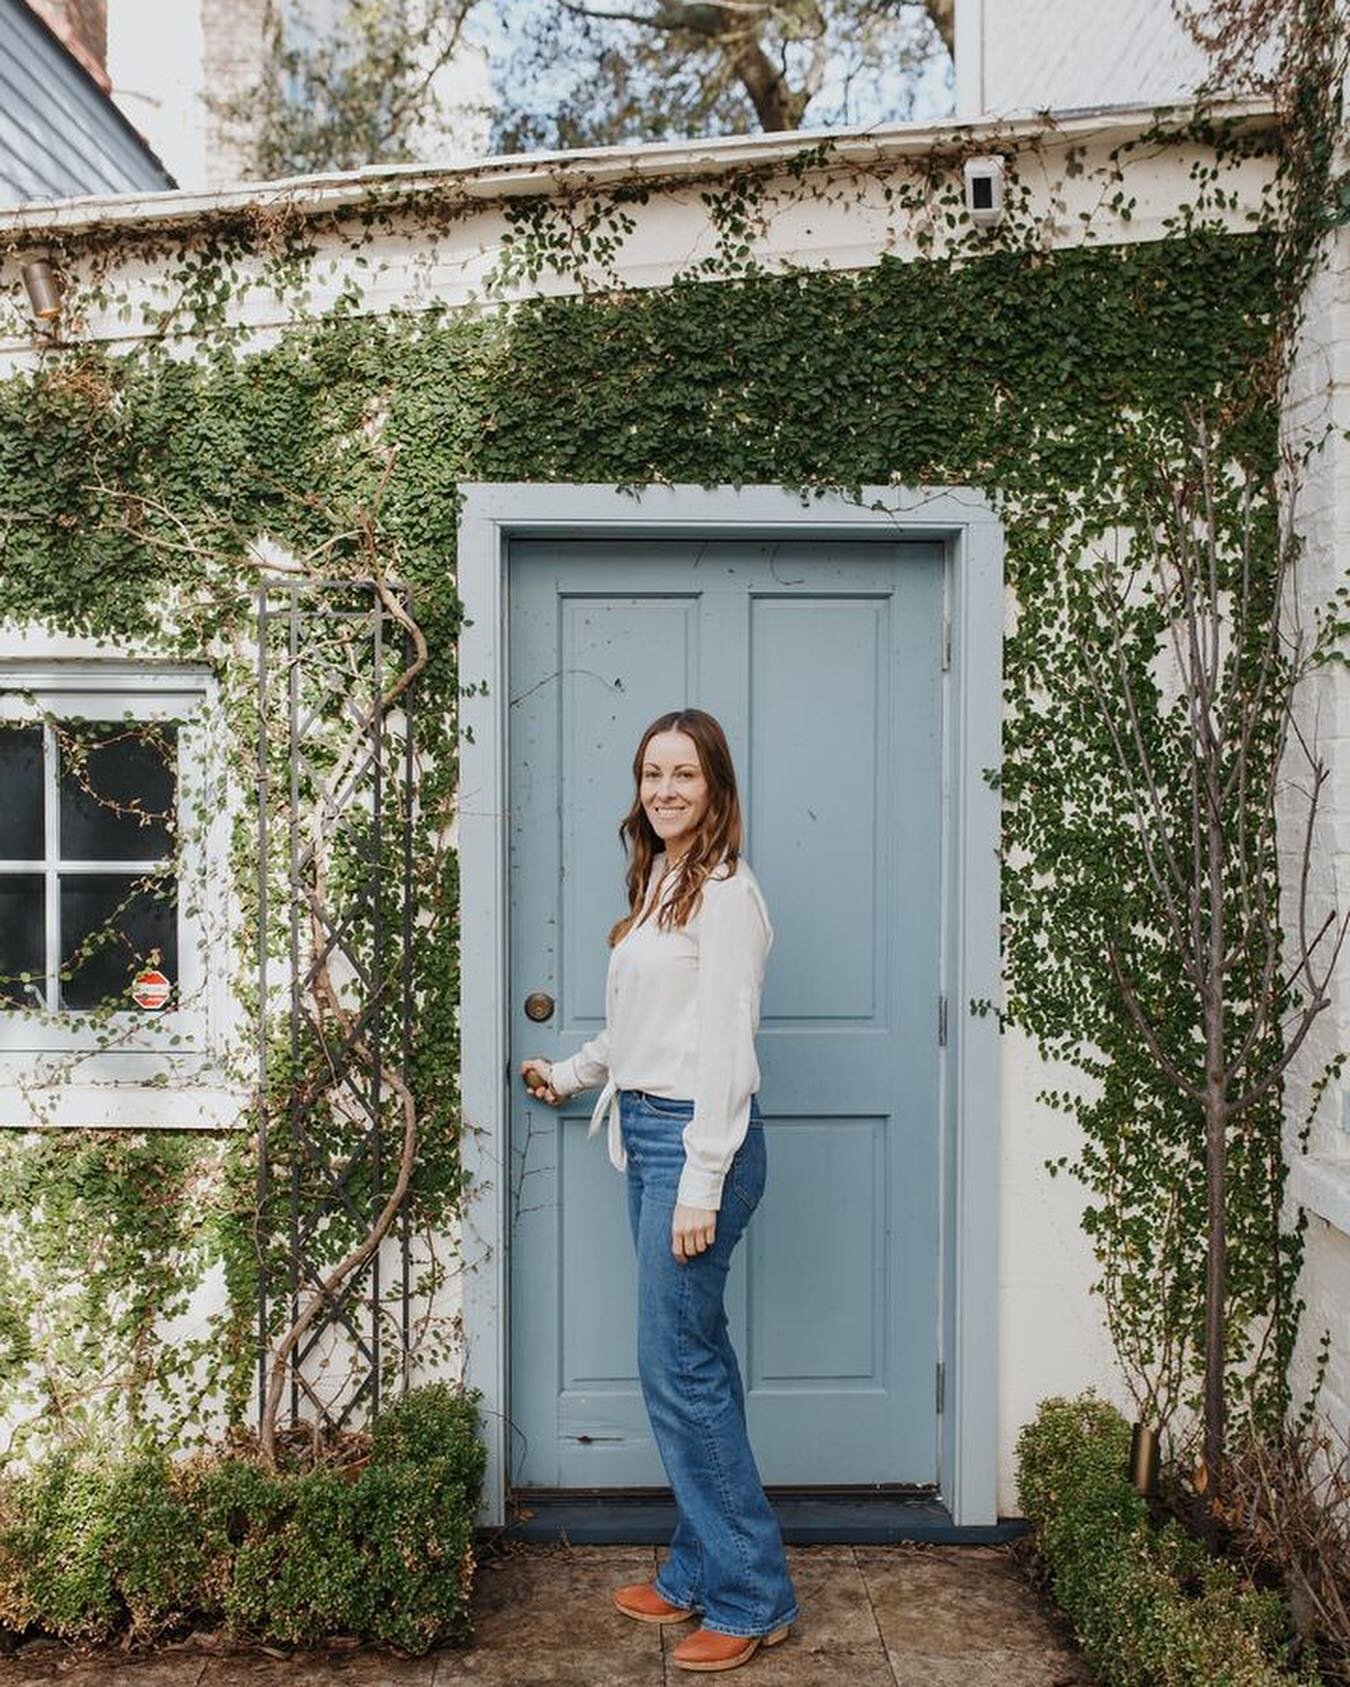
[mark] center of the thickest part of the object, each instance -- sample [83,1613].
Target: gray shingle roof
[60,134]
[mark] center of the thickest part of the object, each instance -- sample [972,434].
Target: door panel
[822,663]
[832,1182]
[822,802]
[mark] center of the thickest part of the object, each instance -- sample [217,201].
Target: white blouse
[681,1012]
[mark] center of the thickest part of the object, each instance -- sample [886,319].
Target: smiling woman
[677,1061]
[674,791]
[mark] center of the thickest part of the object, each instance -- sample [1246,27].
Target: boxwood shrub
[150,1544]
[1151,1606]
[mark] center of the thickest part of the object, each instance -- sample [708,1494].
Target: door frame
[494,514]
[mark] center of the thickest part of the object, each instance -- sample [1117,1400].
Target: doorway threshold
[819,1517]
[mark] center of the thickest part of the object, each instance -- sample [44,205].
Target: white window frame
[138,1049]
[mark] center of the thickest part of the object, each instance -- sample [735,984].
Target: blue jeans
[726,1556]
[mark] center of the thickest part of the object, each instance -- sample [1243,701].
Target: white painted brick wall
[1319,409]
[1325,1286]
[1052,1332]
[234,45]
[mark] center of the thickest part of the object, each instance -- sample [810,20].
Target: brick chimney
[82,28]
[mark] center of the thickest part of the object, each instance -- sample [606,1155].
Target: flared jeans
[726,1556]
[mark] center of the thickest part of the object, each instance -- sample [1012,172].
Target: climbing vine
[144,489]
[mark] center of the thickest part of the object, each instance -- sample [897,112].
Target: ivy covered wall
[138,489]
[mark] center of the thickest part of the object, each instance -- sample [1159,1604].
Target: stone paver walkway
[890,1616]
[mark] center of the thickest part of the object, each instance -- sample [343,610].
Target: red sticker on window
[150,989]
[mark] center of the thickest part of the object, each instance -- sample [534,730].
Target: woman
[677,1060]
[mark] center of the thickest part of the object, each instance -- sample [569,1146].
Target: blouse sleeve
[734,942]
[585,1069]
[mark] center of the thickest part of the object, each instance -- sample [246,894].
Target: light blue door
[822,661]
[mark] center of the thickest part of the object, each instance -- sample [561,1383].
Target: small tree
[1206,776]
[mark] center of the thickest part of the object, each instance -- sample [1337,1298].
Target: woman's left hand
[691,1231]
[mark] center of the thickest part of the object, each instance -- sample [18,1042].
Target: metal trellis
[335,931]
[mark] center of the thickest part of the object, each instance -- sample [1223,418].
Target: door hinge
[941,1389]
[946,642]
[942,1022]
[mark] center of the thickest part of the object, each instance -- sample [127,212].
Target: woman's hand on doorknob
[543,1089]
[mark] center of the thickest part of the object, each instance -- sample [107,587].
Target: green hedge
[1151,1607]
[152,1544]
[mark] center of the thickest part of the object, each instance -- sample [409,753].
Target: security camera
[984,191]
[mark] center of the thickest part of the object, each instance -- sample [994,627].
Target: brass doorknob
[538,1005]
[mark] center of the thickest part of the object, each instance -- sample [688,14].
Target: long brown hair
[718,837]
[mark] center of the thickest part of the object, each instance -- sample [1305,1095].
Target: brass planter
[1143,1471]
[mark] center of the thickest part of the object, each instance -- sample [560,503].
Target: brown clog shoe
[706,1649]
[640,1600]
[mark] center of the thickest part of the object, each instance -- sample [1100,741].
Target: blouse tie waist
[609,1101]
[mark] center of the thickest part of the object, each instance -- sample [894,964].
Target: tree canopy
[361,82]
[588,72]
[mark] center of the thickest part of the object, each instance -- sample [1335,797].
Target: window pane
[21,941]
[21,793]
[118,784]
[109,933]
